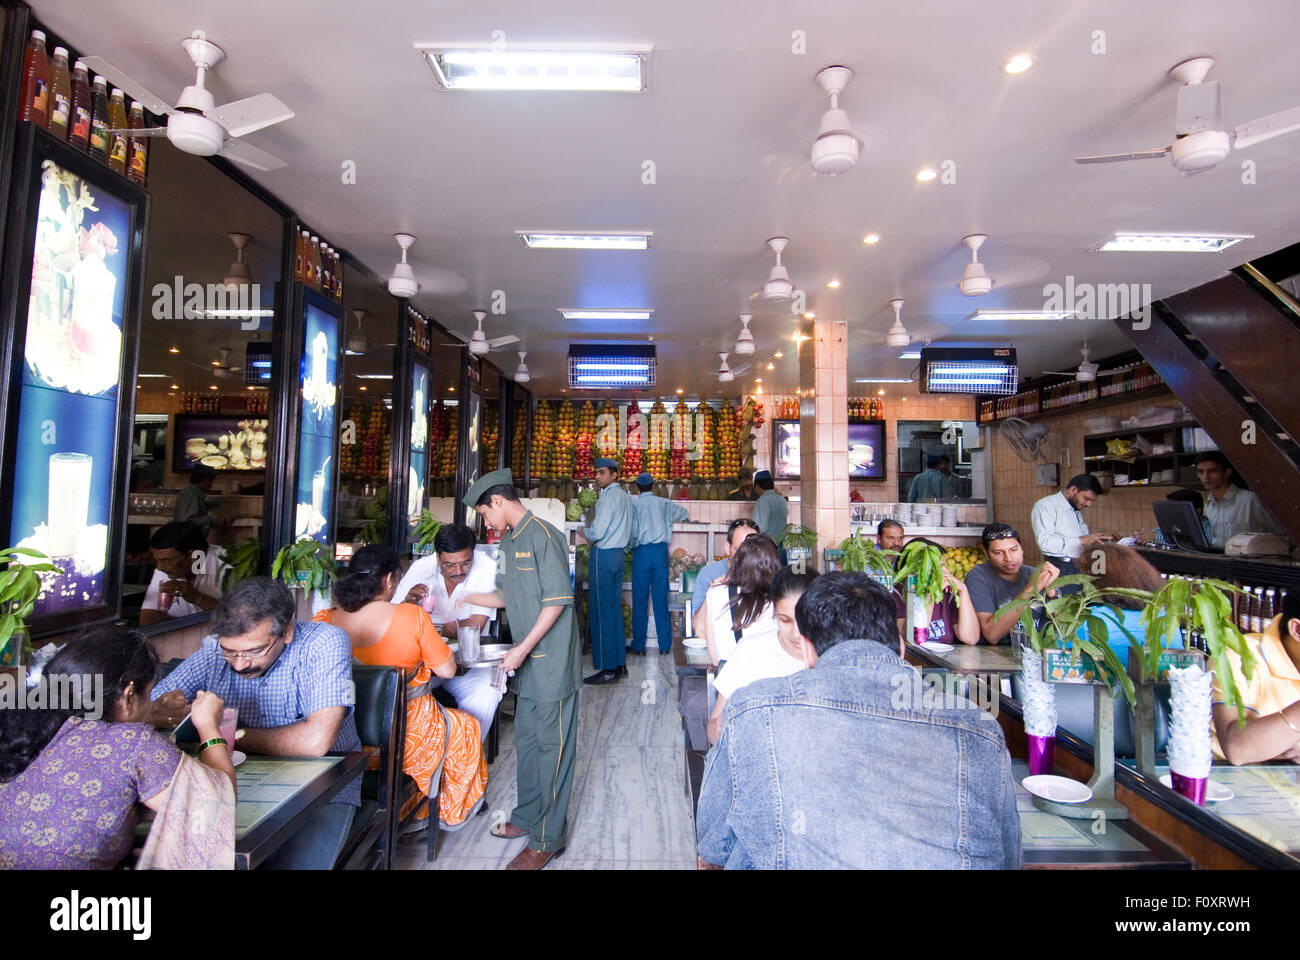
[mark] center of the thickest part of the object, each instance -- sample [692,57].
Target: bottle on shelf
[1256,610]
[299,272]
[337,262]
[1270,608]
[315,274]
[60,98]
[99,120]
[326,271]
[79,122]
[36,82]
[117,142]
[137,165]
[1243,610]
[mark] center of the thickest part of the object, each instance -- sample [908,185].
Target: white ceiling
[728,122]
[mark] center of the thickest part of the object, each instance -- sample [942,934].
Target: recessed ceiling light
[1019,63]
[871,238]
[174,387]
[610,314]
[884,380]
[771,366]
[881,392]
[173,349]
[584,241]
[1020,315]
[758,379]
[216,363]
[476,67]
[810,315]
[927,174]
[1170,243]
[834,284]
[212,386]
[362,388]
[778,354]
[680,390]
[137,386]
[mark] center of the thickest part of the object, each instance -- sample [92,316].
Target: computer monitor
[1180,524]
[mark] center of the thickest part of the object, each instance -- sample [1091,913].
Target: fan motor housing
[195,134]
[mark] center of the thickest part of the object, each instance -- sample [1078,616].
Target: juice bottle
[60,94]
[36,82]
[338,275]
[326,271]
[298,271]
[138,156]
[79,122]
[117,142]
[314,274]
[99,120]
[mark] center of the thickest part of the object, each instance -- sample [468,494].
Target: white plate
[695,643]
[238,757]
[1214,792]
[1057,789]
[935,647]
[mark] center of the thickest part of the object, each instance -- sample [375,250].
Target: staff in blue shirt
[655,517]
[610,534]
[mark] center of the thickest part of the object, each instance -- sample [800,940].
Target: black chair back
[380,715]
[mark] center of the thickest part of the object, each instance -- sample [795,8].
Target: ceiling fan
[745,339]
[479,344]
[725,374]
[521,372]
[196,125]
[1087,370]
[1200,141]
[221,368]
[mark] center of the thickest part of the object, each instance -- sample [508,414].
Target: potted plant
[426,528]
[798,541]
[375,513]
[243,560]
[921,571]
[308,567]
[861,554]
[20,585]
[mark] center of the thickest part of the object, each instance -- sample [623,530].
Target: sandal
[508,831]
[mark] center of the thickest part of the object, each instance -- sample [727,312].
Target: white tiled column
[824,432]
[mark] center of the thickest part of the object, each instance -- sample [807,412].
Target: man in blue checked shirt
[291,681]
[655,517]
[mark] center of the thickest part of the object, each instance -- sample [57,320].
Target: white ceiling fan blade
[1116,157]
[459,336]
[133,90]
[1265,128]
[1061,373]
[1200,108]
[241,117]
[250,156]
[497,342]
[142,132]
[739,370]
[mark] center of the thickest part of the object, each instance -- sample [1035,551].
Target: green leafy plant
[243,560]
[426,529]
[925,562]
[862,553]
[794,536]
[313,559]
[20,585]
[1183,607]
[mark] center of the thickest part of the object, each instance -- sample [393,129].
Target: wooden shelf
[1134,431]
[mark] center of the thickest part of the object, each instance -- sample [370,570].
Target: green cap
[485,483]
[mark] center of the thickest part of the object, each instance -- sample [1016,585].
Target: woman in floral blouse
[71,787]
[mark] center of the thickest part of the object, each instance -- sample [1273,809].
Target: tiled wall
[1121,511]
[824,432]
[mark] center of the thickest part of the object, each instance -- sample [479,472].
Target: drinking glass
[229,724]
[467,636]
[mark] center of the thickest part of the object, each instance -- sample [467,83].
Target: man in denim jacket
[845,765]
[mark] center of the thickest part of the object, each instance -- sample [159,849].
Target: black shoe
[635,652]
[620,671]
[605,676]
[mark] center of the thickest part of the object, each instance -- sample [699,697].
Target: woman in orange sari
[402,635]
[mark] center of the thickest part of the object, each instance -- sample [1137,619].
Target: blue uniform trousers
[650,576]
[605,609]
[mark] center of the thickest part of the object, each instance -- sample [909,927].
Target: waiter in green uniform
[533,586]
[770,509]
[745,490]
[655,517]
[611,533]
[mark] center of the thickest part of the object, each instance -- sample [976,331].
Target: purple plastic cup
[1193,788]
[1042,751]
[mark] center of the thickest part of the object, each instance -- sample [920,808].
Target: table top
[1266,804]
[980,658]
[1051,841]
[690,662]
[277,794]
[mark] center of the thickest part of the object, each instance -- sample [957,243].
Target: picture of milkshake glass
[69,501]
[317,492]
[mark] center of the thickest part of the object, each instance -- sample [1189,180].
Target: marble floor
[629,809]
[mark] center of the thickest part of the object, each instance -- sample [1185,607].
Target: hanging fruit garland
[701,431]
[751,418]
[519,441]
[678,467]
[632,444]
[657,442]
[562,459]
[543,437]
[491,434]
[609,439]
[585,460]
[728,442]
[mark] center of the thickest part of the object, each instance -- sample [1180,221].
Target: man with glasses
[738,531]
[440,584]
[291,682]
[1002,577]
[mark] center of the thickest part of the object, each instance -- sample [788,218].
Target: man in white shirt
[439,583]
[186,577]
[765,656]
[1058,523]
[1230,509]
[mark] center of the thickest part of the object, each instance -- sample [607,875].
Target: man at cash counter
[1229,508]
[1271,696]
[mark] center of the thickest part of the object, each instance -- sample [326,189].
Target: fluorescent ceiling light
[617,367]
[983,314]
[374,376]
[913,353]
[529,67]
[1170,243]
[602,314]
[885,380]
[613,378]
[585,241]
[159,376]
[236,314]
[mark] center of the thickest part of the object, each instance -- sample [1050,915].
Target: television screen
[866,453]
[233,443]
